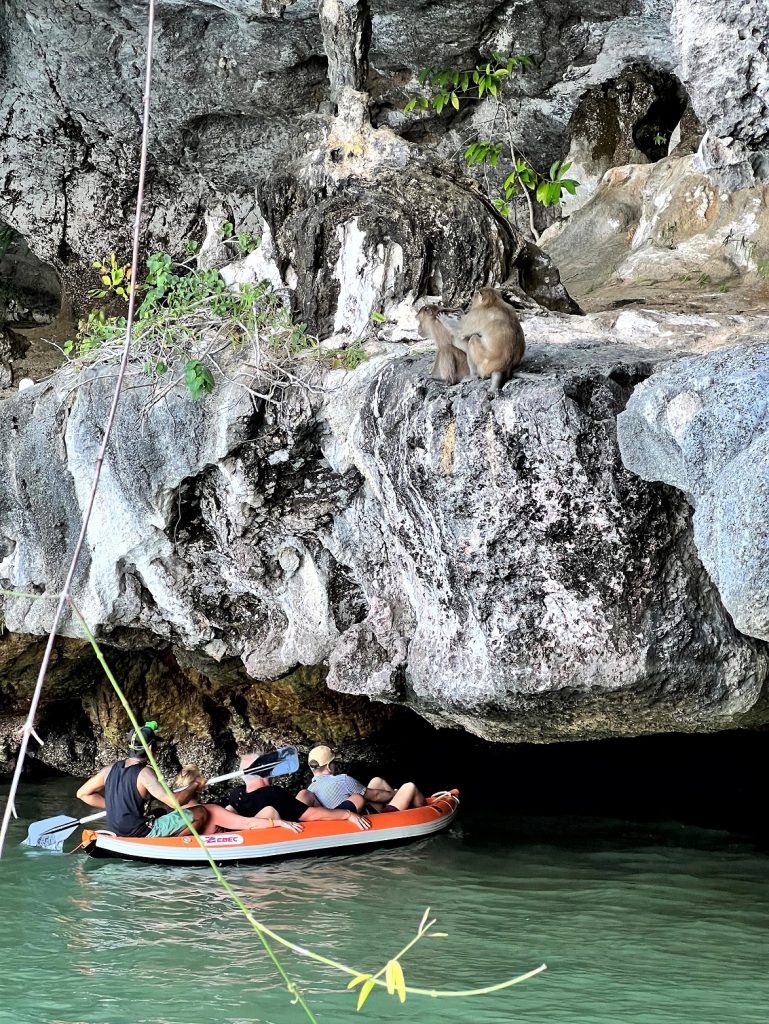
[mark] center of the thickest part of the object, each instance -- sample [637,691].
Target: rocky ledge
[486,561]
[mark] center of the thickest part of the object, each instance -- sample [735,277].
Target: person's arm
[323,814]
[92,791]
[149,780]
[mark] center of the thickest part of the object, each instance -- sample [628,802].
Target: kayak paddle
[51,833]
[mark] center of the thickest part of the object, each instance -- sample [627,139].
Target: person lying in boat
[345,792]
[124,788]
[257,796]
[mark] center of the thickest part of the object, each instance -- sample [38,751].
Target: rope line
[64,596]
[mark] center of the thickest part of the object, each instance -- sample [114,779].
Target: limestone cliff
[488,561]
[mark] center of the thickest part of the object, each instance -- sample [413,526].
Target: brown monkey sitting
[450,363]
[491,335]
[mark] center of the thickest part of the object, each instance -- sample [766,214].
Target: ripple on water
[637,925]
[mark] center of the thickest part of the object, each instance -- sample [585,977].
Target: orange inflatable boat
[269,844]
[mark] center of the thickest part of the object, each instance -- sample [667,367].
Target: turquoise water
[637,924]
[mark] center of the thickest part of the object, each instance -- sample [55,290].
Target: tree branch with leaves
[485,83]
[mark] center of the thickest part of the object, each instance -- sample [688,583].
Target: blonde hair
[189,773]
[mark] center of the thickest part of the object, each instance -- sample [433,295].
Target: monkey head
[426,315]
[484,298]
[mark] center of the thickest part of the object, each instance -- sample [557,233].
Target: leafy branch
[451,87]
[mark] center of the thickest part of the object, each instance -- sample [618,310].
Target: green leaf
[365,992]
[198,378]
[410,106]
[563,169]
[379,318]
[423,75]
[554,170]
[570,185]
[465,81]
[481,87]
[455,101]
[476,77]
[424,103]
[390,977]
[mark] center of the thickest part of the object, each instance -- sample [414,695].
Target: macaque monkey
[450,363]
[491,335]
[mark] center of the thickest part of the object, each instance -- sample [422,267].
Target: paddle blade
[283,761]
[51,833]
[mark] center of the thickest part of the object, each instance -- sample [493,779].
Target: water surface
[639,924]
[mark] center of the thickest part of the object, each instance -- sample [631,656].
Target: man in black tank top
[124,788]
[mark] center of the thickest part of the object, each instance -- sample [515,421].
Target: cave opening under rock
[627,119]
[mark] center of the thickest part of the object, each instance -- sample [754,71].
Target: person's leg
[379,793]
[379,783]
[353,803]
[218,817]
[407,796]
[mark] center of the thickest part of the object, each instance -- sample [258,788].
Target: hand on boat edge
[360,820]
[292,826]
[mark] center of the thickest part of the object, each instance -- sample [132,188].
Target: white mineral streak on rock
[680,412]
[365,278]
[259,265]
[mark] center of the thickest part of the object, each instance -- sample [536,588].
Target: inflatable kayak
[270,843]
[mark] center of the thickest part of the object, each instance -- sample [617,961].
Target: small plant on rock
[187,321]
[115,278]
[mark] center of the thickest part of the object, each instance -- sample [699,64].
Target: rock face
[702,426]
[485,561]
[665,234]
[725,66]
[245,89]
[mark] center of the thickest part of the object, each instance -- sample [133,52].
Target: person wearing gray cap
[343,792]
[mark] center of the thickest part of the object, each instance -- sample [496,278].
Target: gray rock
[242,90]
[703,426]
[485,561]
[723,62]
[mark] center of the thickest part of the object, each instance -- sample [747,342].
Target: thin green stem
[258,928]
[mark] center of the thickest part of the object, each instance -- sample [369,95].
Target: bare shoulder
[147,780]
